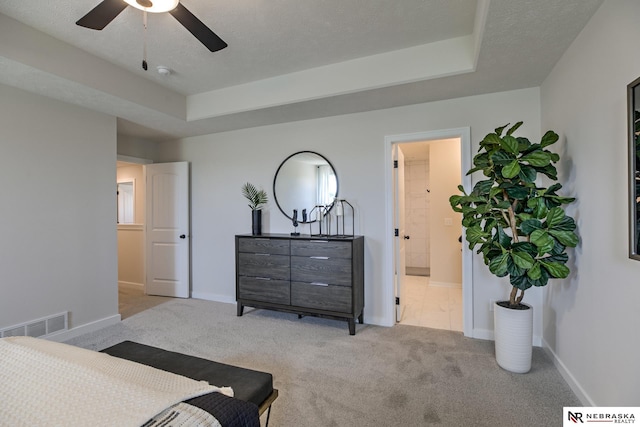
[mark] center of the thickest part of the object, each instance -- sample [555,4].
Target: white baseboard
[568,377]
[207,296]
[85,329]
[482,334]
[537,341]
[378,321]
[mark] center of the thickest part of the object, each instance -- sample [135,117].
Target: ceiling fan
[106,11]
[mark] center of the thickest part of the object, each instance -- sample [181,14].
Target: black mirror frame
[634,168]
[275,177]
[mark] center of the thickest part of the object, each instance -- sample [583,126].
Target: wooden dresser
[320,276]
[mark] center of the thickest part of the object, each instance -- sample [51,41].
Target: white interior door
[398,219]
[167,229]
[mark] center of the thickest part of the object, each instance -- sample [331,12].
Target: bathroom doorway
[435,287]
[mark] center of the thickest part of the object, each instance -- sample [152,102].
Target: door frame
[399,244]
[464,134]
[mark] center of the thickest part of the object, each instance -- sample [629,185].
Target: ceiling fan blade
[102,14]
[197,28]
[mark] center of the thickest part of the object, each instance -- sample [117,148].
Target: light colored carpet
[400,376]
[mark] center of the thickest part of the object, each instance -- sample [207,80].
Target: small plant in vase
[520,228]
[257,200]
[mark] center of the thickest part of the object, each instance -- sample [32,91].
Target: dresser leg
[352,326]
[240,309]
[361,318]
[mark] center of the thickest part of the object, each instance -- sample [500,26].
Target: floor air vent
[39,327]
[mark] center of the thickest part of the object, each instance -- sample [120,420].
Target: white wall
[592,319]
[445,173]
[221,163]
[58,246]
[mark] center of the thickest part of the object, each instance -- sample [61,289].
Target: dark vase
[256,222]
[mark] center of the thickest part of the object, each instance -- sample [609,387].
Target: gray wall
[58,245]
[137,147]
[354,144]
[591,320]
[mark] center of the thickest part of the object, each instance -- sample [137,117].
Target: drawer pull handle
[319,257]
[262,278]
[319,284]
[261,238]
[263,254]
[319,241]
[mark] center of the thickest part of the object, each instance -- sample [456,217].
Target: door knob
[182,236]
[406,237]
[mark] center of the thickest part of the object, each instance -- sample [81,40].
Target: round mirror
[306,182]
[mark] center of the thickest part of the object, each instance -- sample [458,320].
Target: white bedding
[44,383]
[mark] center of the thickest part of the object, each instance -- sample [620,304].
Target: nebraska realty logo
[600,415]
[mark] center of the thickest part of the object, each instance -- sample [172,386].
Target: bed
[129,384]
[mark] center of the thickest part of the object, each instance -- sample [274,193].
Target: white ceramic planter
[513,330]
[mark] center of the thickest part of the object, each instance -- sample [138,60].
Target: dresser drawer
[321,248]
[264,265]
[321,297]
[332,271]
[264,289]
[263,246]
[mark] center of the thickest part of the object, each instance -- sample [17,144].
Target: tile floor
[431,306]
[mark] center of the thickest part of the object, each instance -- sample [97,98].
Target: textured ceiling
[266,38]
[405,51]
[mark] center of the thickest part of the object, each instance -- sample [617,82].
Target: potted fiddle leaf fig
[257,199]
[519,227]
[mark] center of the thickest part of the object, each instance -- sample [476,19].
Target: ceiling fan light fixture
[107,10]
[154,6]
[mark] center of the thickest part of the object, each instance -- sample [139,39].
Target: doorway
[435,288]
[153,233]
[130,231]
[130,223]
[431,174]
